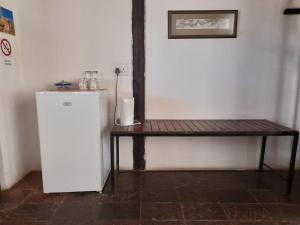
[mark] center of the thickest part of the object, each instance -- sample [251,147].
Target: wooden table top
[204,128]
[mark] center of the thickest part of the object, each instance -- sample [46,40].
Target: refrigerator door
[70,140]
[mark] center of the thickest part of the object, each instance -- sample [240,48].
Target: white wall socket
[124,68]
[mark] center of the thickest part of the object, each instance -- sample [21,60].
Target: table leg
[262,153]
[117,154]
[292,163]
[112,164]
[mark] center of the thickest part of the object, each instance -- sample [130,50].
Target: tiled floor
[167,198]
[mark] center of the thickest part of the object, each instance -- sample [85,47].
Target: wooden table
[220,128]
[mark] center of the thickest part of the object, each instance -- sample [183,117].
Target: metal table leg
[262,153]
[112,164]
[292,163]
[117,154]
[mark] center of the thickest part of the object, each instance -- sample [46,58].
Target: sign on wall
[5,47]
[6,51]
[7,21]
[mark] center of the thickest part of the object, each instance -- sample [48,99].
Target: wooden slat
[176,125]
[154,126]
[191,125]
[256,125]
[273,125]
[184,127]
[129,128]
[147,126]
[201,127]
[139,128]
[169,126]
[218,125]
[162,126]
[228,125]
[266,126]
[210,126]
[241,125]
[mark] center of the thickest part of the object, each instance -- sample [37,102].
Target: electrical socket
[124,69]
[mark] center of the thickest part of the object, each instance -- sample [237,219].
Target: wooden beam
[292,11]
[138,34]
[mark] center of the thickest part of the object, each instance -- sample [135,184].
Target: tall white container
[127,112]
[74,140]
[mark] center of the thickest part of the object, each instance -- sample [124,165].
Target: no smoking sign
[5,47]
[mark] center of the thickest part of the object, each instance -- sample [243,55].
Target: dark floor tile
[133,183]
[288,223]
[255,223]
[69,214]
[14,196]
[246,212]
[72,222]
[283,212]
[203,211]
[159,196]
[161,211]
[41,198]
[120,197]
[128,182]
[32,212]
[268,196]
[224,180]
[208,223]
[181,176]
[197,195]
[32,181]
[81,197]
[227,186]
[207,180]
[158,181]
[254,180]
[117,222]
[138,222]
[275,182]
[223,175]
[163,223]
[22,223]
[235,196]
[189,180]
[112,211]
[294,197]
[219,175]
[5,209]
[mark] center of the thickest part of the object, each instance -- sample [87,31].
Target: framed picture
[6,21]
[203,24]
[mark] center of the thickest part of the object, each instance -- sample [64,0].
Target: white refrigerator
[74,140]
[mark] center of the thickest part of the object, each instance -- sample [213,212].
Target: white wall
[207,78]
[290,68]
[288,111]
[14,162]
[61,39]
[214,79]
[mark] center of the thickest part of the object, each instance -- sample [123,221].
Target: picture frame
[7,21]
[183,24]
